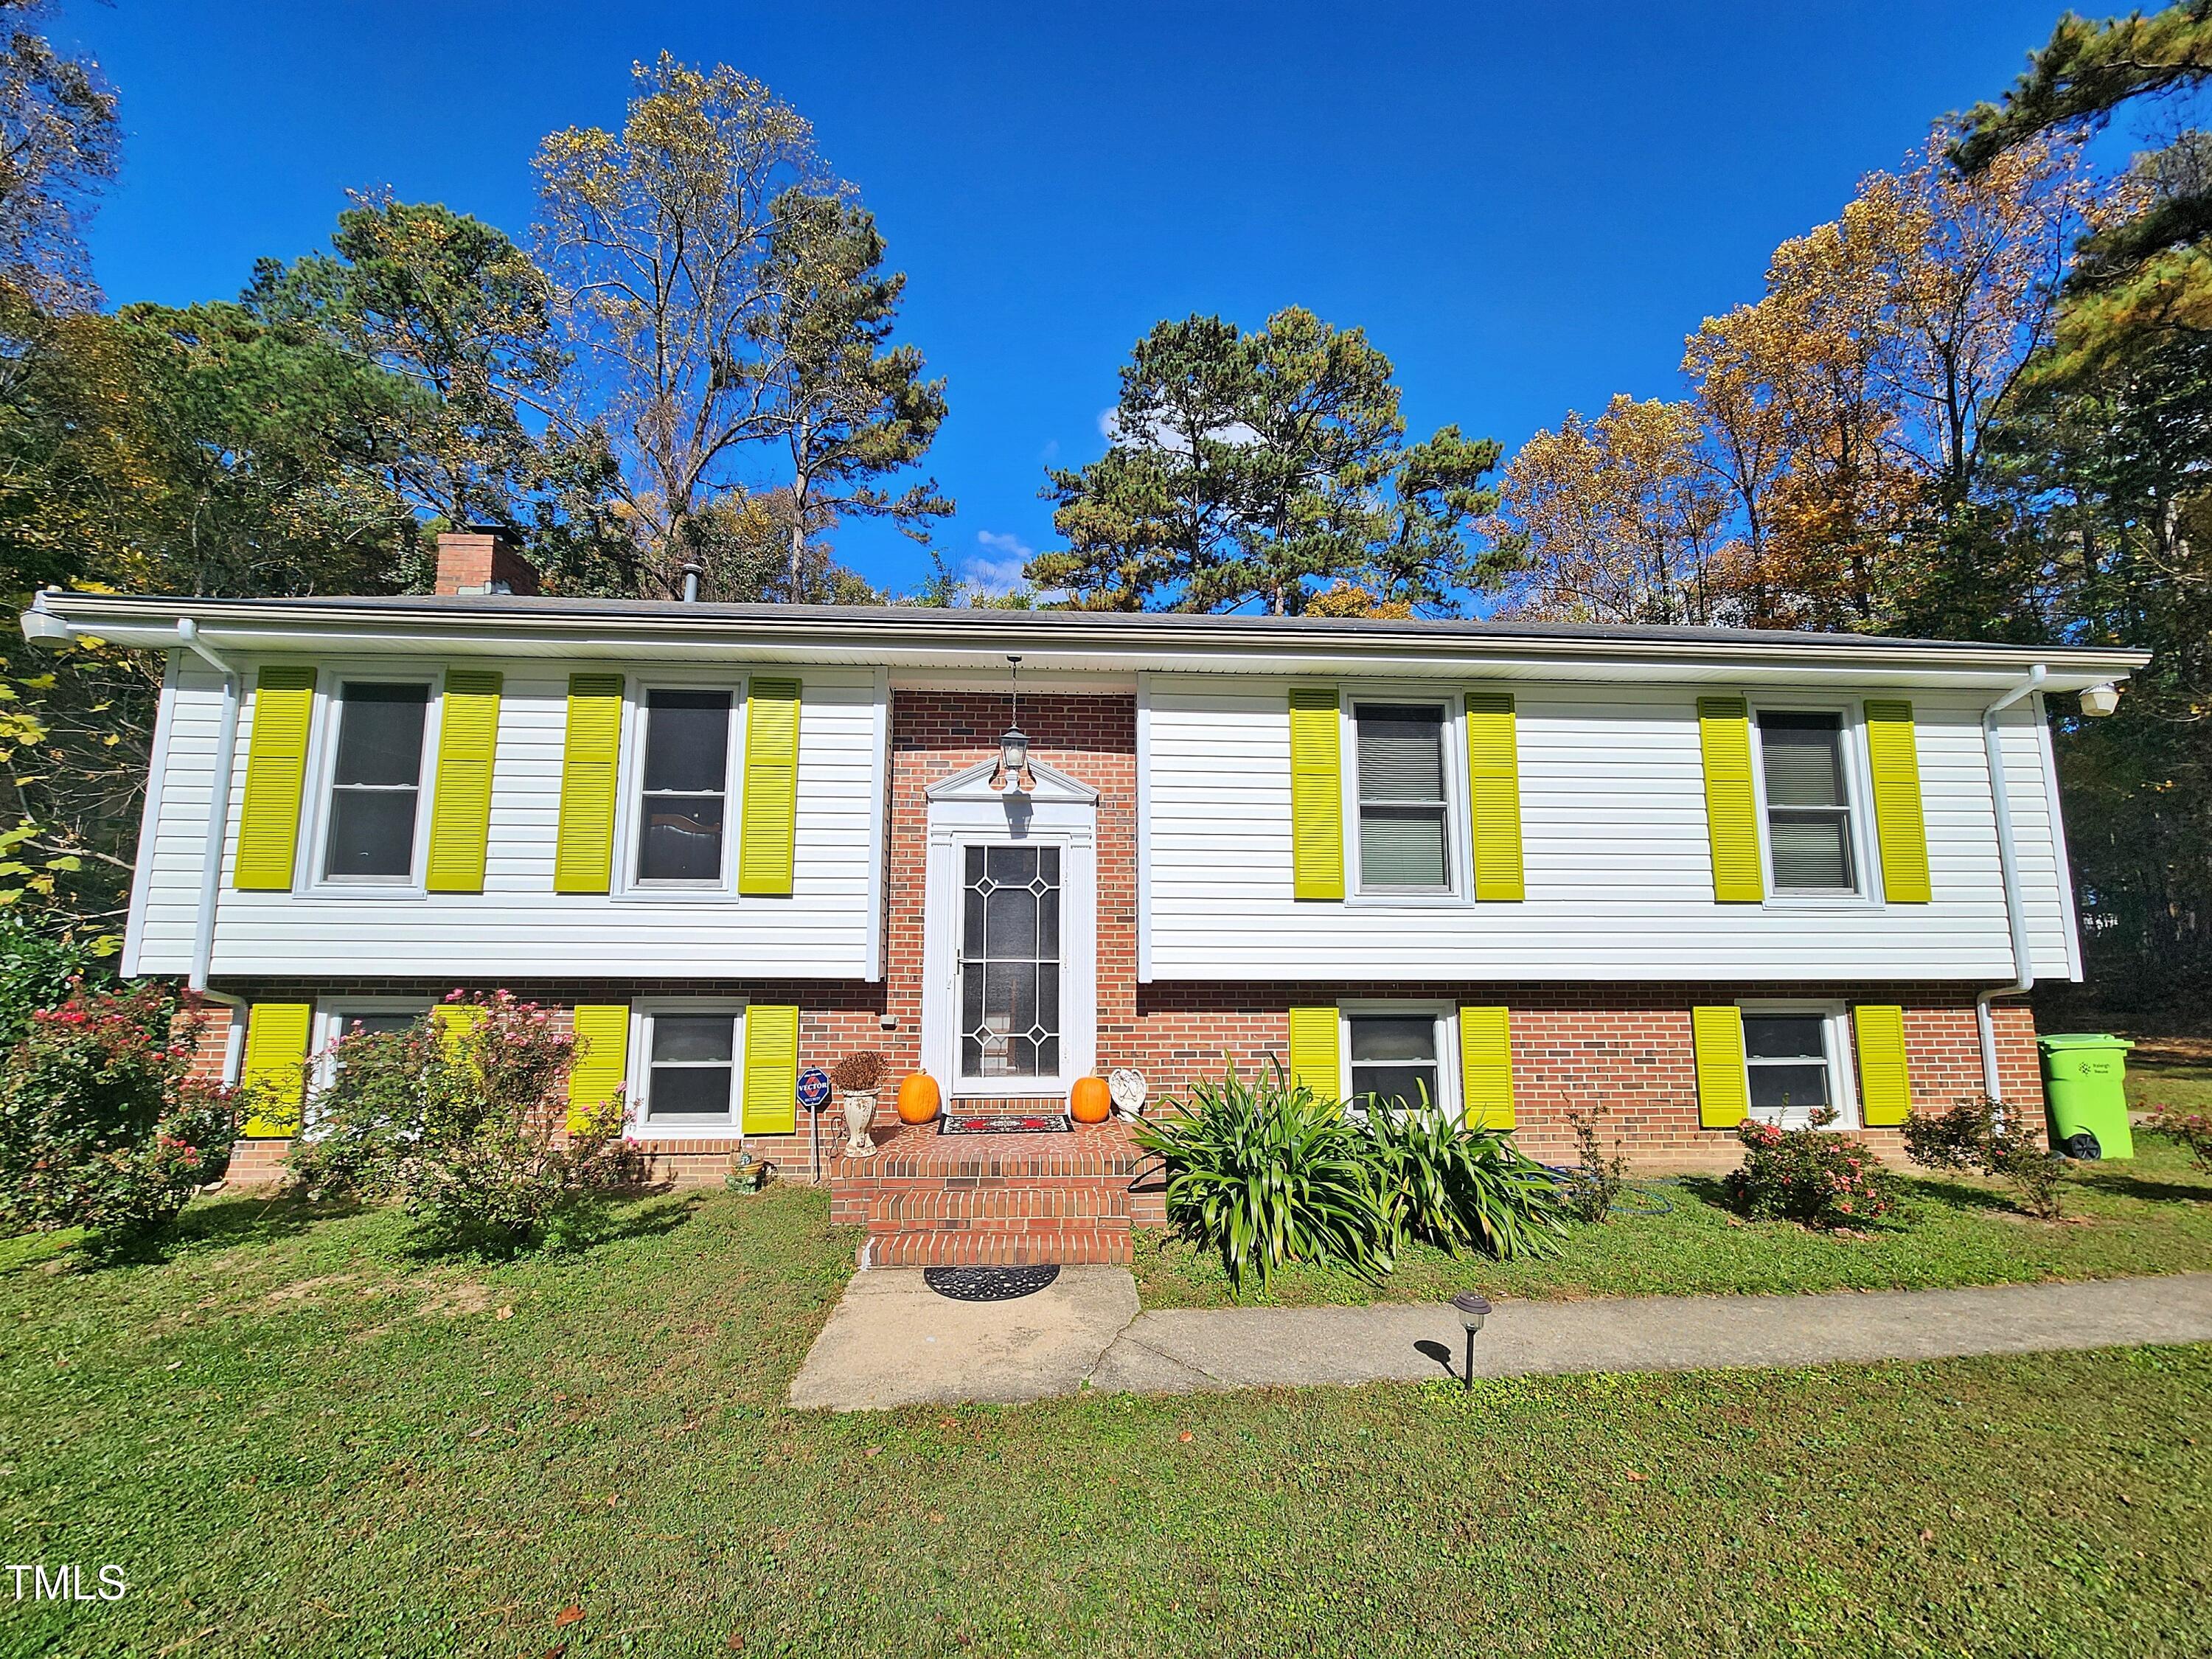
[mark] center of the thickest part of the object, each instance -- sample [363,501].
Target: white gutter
[2023,964]
[218,819]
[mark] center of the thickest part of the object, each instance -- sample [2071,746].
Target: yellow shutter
[584,855]
[455,1020]
[765,853]
[1893,758]
[275,771]
[1731,809]
[1493,771]
[602,1058]
[460,811]
[1314,1051]
[1885,1079]
[275,1067]
[1485,1065]
[1724,1086]
[1316,795]
[771,1070]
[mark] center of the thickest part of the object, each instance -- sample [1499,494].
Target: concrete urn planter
[860,1106]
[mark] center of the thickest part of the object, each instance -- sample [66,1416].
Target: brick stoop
[930,1200]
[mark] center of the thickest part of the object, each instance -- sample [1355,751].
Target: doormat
[988,1284]
[1004,1123]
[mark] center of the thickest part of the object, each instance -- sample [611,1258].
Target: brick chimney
[483,559]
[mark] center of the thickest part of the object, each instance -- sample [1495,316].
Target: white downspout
[218,819]
[2023,965]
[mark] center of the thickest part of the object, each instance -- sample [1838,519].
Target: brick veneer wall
[1624,1046]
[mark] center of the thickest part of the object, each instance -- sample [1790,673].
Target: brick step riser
[963,1247]
[888,1211]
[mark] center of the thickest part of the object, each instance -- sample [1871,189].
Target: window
[691,1070]
[1393,1060]
[376,782]
[1809,814]
[1792,1072]
[1404,847]
[684,792]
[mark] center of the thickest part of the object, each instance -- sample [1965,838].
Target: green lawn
[2170,1071]
[298,1439]
[2149,1214]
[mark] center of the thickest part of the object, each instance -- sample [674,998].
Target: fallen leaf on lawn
[504,1313]
[571,1614]
[555,1651]
[478,1434]
[1633,1475]
[1926,1536]
[737,1642]
[871,1451]
[1185,1435]
[936,1519]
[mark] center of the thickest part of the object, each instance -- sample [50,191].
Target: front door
[1009,993]
[1008,966]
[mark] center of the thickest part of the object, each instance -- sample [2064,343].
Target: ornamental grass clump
[102,1125]
[1267,1172]
[1811,1175]
[1444,1183]
[461,1118]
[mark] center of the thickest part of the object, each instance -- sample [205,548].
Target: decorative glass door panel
[1009,962]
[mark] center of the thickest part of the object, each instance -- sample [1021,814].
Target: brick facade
[1624,1046]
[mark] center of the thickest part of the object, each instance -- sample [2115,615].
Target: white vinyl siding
[1619,865]
[518,926]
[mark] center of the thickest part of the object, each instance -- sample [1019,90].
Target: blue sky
[1526,207]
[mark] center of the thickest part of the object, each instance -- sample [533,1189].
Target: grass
[2170,1071]
[297,1437]
[2150,1214]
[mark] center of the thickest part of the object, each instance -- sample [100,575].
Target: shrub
[1593,1186]
[1811,1175]
[1997,1140]
[36,972]
[2192,1129]
[1441,1182]
[1266,1172]
[101,1124]
[459,1118]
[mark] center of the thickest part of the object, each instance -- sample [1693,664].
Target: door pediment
[972,785]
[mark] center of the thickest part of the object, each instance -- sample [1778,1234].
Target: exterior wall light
[1014,746]
[1473,1309]
[2100,701]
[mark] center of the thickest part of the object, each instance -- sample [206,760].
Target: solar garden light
[1473,1311]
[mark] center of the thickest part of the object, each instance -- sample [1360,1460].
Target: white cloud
[996,569]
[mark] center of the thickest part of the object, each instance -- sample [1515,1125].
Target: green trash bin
[2085,1092]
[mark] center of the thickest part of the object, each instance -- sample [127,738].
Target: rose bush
[1811,1176]
[102,1125]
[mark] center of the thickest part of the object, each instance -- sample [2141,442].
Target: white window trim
[639,1096]
[328,1027]
[1858,789]
[1446,1017]
[1835,1020]
[629,811]
[310,875]
[1457,866]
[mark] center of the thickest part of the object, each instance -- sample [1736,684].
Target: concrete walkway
[893,1341]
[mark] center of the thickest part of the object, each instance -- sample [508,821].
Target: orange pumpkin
[917,1099]
[1090,1101]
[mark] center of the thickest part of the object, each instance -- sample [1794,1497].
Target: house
[1686,874]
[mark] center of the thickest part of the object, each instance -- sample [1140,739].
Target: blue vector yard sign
[814,1088]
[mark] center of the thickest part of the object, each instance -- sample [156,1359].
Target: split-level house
[1681,874]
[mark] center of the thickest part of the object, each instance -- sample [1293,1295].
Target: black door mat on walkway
[988,1284]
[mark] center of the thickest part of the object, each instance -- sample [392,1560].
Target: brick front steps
[930,1200]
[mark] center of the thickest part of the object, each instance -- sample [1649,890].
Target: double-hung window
[1395,1060]
[1791,1059]
[376,781]
[690,1069]
[1405,813]
[683,792]
[1809,807]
